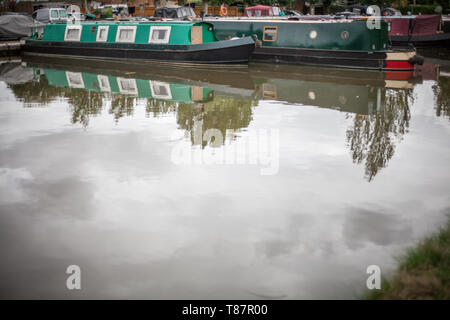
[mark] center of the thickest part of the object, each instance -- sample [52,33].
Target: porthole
[313,34]
[345,35]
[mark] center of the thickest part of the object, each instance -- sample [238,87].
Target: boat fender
[416,60]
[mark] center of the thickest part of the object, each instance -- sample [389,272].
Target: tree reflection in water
[222,113]
[157,108]
[37,91]
[84,104]
[442,97]
[122,106]
[372,137]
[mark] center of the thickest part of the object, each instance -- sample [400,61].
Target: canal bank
[423,272]
[9,48]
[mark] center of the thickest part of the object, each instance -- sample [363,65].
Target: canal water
[246,183]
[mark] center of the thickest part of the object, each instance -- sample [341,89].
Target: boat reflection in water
[376,104]
[380,112]
[105,194]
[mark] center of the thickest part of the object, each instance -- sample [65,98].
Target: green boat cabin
[354,35]
[169,33]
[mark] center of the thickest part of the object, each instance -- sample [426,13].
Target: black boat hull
[222,52]
[384,60]
[435,40]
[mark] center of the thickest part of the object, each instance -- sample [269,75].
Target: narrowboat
[333,43]
[167,42]
[427,30]
[421,31]
[173,12]
[262,11]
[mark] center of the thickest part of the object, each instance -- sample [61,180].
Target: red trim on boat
[398,65]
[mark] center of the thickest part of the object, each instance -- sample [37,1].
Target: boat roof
[165,22]
[278,20]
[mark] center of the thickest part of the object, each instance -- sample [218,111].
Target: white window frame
[119,28]
[155,28]
[98,33]
[107,87]
[168,96]
[71,27]
[126,91]
[70,75]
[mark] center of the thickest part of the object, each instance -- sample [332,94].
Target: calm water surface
[112,168]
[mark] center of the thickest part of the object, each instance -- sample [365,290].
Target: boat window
[270,33]
[73,33]
[160,90]
[103,82]
[63,13]
[74,79]
[54,14]
[102,33]
[159,34]
[126,34]
[127,86]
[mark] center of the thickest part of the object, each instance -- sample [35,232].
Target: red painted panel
[399,65]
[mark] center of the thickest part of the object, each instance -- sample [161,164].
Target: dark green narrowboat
[172,42]
[326,42]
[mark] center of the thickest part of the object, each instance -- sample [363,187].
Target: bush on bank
[423,273]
